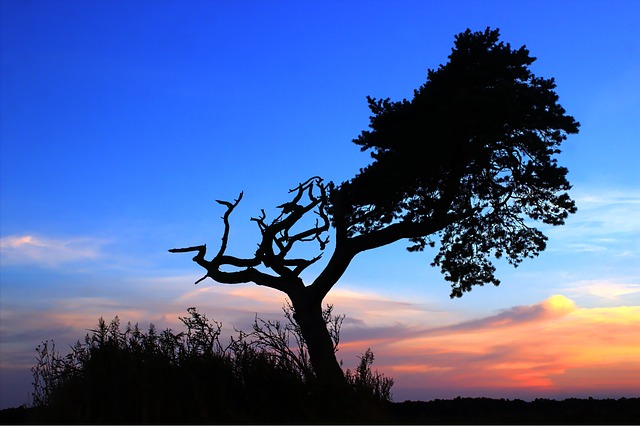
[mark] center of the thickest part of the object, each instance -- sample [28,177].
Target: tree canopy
[471,156]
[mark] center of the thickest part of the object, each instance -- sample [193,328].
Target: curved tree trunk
[308,315]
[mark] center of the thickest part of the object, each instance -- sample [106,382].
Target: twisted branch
[277,242]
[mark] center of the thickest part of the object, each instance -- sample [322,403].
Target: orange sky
[548,349]
[552,347]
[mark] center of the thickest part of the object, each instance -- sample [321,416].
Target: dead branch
[276,243]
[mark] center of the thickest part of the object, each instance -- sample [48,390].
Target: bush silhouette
[131,376]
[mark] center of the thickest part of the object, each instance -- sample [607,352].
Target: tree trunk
[308,315]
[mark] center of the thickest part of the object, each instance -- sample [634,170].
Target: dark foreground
[501,411]
[456,411]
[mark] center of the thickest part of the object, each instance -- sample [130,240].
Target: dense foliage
[131,376]
[469,158]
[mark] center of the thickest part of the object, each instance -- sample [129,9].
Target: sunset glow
[547,352]
[121,127]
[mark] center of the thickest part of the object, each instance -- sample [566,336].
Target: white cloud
[608,220]
[609,289]
[609,211]
[50,252]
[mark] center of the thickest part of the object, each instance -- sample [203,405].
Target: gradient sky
[121,124]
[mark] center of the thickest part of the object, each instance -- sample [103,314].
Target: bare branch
[276,239]
[225,219]
[276,242]
[198,258]
[187,249]
[202,279]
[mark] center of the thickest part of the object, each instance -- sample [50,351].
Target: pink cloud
[546,348]
[554,307]
[50,252]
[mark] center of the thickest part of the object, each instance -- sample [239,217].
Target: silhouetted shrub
[131,376]
[367,383]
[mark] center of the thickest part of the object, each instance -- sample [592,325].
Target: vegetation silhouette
[130,376]
[466,165]
[260,377]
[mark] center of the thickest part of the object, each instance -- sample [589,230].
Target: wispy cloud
[615,290]
[49,252]
[375,310]
[22,327]
[608,220]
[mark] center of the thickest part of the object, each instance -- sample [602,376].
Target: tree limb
[276,243]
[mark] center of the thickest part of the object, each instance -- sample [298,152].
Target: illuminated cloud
[611,290]
[554,307]
[553,347]
[374,310]
[50,252]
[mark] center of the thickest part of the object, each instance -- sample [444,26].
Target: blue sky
[121,124]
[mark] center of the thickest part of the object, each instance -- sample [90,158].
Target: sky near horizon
[121,124]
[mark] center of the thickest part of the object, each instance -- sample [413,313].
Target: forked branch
[276,243]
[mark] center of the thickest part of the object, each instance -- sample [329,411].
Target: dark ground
[471,411]
[501,411]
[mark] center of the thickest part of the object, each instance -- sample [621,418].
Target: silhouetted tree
[466,163]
